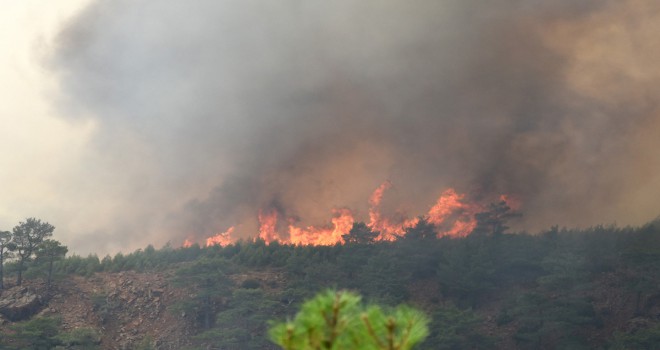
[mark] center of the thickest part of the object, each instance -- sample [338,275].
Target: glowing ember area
[221,239]
[452,215]
[268,226]
[187,243]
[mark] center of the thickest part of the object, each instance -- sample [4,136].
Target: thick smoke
[207,111]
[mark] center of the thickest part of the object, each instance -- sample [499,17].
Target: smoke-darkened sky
[203,112]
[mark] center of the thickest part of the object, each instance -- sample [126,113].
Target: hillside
[595,288]
[124,307]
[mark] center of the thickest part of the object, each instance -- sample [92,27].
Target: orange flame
[268,226]
[377,196]
[452,215]
[341,225]
[222,239]
[389,231]
[448,202]
[461,228]
[187,243]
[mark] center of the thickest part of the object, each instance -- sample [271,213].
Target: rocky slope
[126,308]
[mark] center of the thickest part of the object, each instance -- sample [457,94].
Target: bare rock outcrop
[19,303]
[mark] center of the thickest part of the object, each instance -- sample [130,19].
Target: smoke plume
[208,111]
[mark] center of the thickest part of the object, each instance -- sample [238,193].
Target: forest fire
[268,225]
[450,206]
[221,239]
[388,230]
[452,215]
[342,222]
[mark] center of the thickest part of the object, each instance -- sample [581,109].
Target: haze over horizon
[129,123]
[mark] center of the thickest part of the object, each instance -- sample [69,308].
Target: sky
[129,123]
[36,145]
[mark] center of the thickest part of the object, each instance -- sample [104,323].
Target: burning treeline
[452,215]
[286,110]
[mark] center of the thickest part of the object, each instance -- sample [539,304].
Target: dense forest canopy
[591,288]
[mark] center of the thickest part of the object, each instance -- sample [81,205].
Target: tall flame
[388,231]
[268,225]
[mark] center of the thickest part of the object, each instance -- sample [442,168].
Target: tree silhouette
[27,237]
[493,220]
[422,230]
[49,251]
[5,247]
[360,233]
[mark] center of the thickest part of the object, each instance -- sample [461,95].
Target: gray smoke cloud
[207,111]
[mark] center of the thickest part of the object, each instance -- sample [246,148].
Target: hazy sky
[37,147]
[132,122]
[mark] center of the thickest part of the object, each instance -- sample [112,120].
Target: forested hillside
[560,289]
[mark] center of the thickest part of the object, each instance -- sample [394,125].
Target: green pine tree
[336,320]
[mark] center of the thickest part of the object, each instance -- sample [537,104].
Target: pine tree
[48,252]
[27,237]
[5,252]
[338,320]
